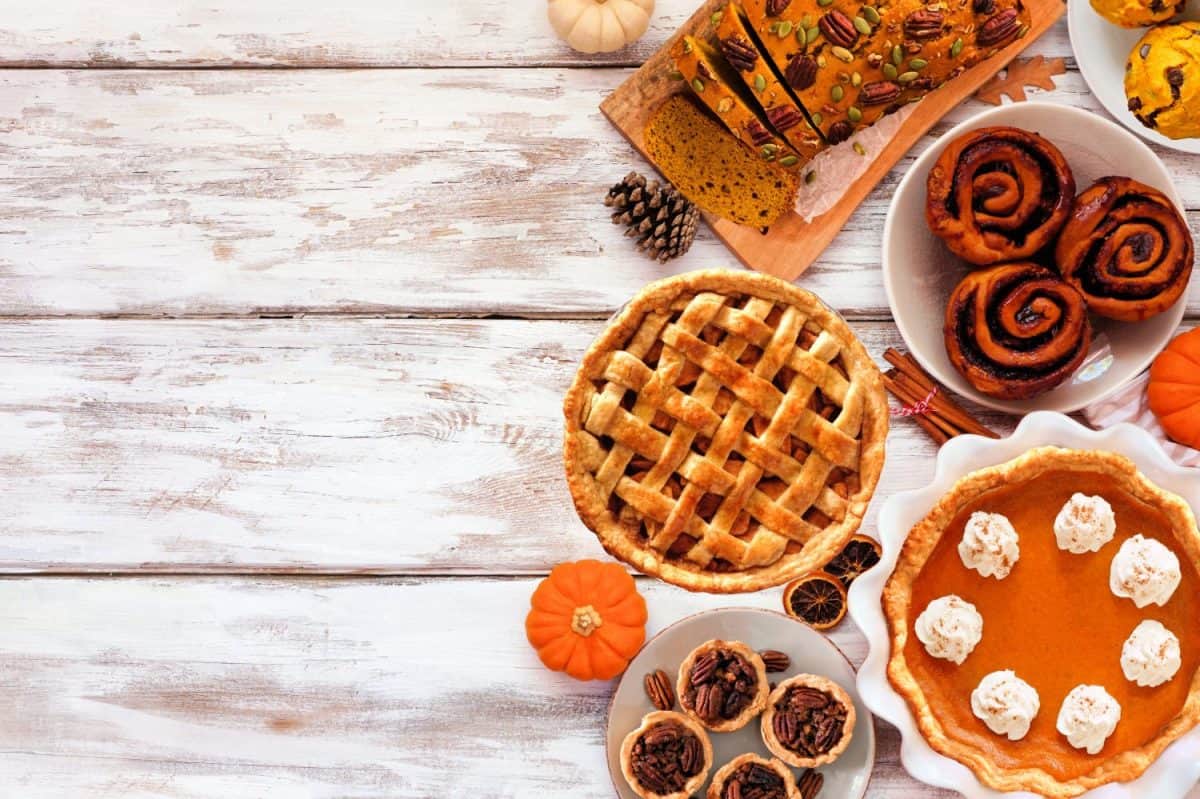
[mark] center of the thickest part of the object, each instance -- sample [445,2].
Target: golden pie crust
[726,771]
[751,710]
[725,432]
[1035,485]
[648,721]
[826,686]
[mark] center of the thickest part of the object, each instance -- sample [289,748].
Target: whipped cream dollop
[1006,704]
[989,545]
[1151,655]
[1084,524]
[950,628]
[1145,571]
[1088,716]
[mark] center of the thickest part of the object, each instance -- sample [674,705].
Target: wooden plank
[306,33]
[187,688]
[792,244]
[324,445]
[401,192]
[321,688]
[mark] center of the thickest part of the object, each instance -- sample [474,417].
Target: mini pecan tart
[752,776]
[809,721]
[723,685]
[667,757]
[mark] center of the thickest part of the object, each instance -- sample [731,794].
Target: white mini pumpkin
[600,26]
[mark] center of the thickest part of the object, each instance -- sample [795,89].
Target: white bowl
[811,653]
[1102,51]
[1173,774]
[919,272]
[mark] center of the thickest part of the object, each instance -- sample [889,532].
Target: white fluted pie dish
[1177,770]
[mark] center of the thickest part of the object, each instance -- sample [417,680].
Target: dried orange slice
[818,599]
[860,553]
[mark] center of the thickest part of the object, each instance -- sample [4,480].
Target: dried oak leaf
[1037,71]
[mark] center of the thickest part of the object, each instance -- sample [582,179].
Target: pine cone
[661,219]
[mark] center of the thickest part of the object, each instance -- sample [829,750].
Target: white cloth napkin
[1131,405]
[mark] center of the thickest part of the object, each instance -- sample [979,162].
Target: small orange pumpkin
[1174,391]
[587,619]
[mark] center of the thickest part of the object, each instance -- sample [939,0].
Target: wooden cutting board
[792,245]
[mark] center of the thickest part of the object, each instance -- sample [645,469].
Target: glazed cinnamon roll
[1127,249]
[1016,330]
[999,194]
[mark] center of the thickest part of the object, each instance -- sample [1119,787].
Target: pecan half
[839,29]
[784,117]
[775,660]
[984,6]
[658,688]
[924,24]
[777,7]
[760,136]
[810,784]
[839,132]
[710,701]
[740,53]
[999,28]
[705,666]
[879,92]
[801,71]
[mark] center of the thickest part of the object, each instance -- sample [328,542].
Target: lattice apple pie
[725,432]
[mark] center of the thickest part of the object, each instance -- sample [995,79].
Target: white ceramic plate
[919,272]
[1173,774]
[810,652]
[1102,51]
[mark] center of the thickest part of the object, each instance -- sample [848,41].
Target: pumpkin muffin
[1162,80]
[1138,13]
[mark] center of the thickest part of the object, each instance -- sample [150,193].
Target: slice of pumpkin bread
[713,169]
[737,44]
[718,87]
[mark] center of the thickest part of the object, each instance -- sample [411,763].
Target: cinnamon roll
[999,194]
[1127,249]
[1016,330]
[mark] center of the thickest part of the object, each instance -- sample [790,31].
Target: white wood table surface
[289,296]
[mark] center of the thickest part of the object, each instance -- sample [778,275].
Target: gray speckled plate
[810,652]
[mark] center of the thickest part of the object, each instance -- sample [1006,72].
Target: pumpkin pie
[1042,619]
[668,756]
[725,433]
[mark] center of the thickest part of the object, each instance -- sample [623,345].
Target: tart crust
[649,720]
[727,770]
[918,547]
[762,686]
[826,686]
[780,542]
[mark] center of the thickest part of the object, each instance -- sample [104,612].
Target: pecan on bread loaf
[720,89]
[781,111]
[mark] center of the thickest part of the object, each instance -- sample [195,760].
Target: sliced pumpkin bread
[719,88]
[743,55]
[713,169]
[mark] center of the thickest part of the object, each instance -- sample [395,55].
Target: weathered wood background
[289,295]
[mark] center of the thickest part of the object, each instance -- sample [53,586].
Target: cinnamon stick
[941,403]
[943,418]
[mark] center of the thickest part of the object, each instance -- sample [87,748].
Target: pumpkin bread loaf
[743,55]
[719,88]
[849,62]
[713,169]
